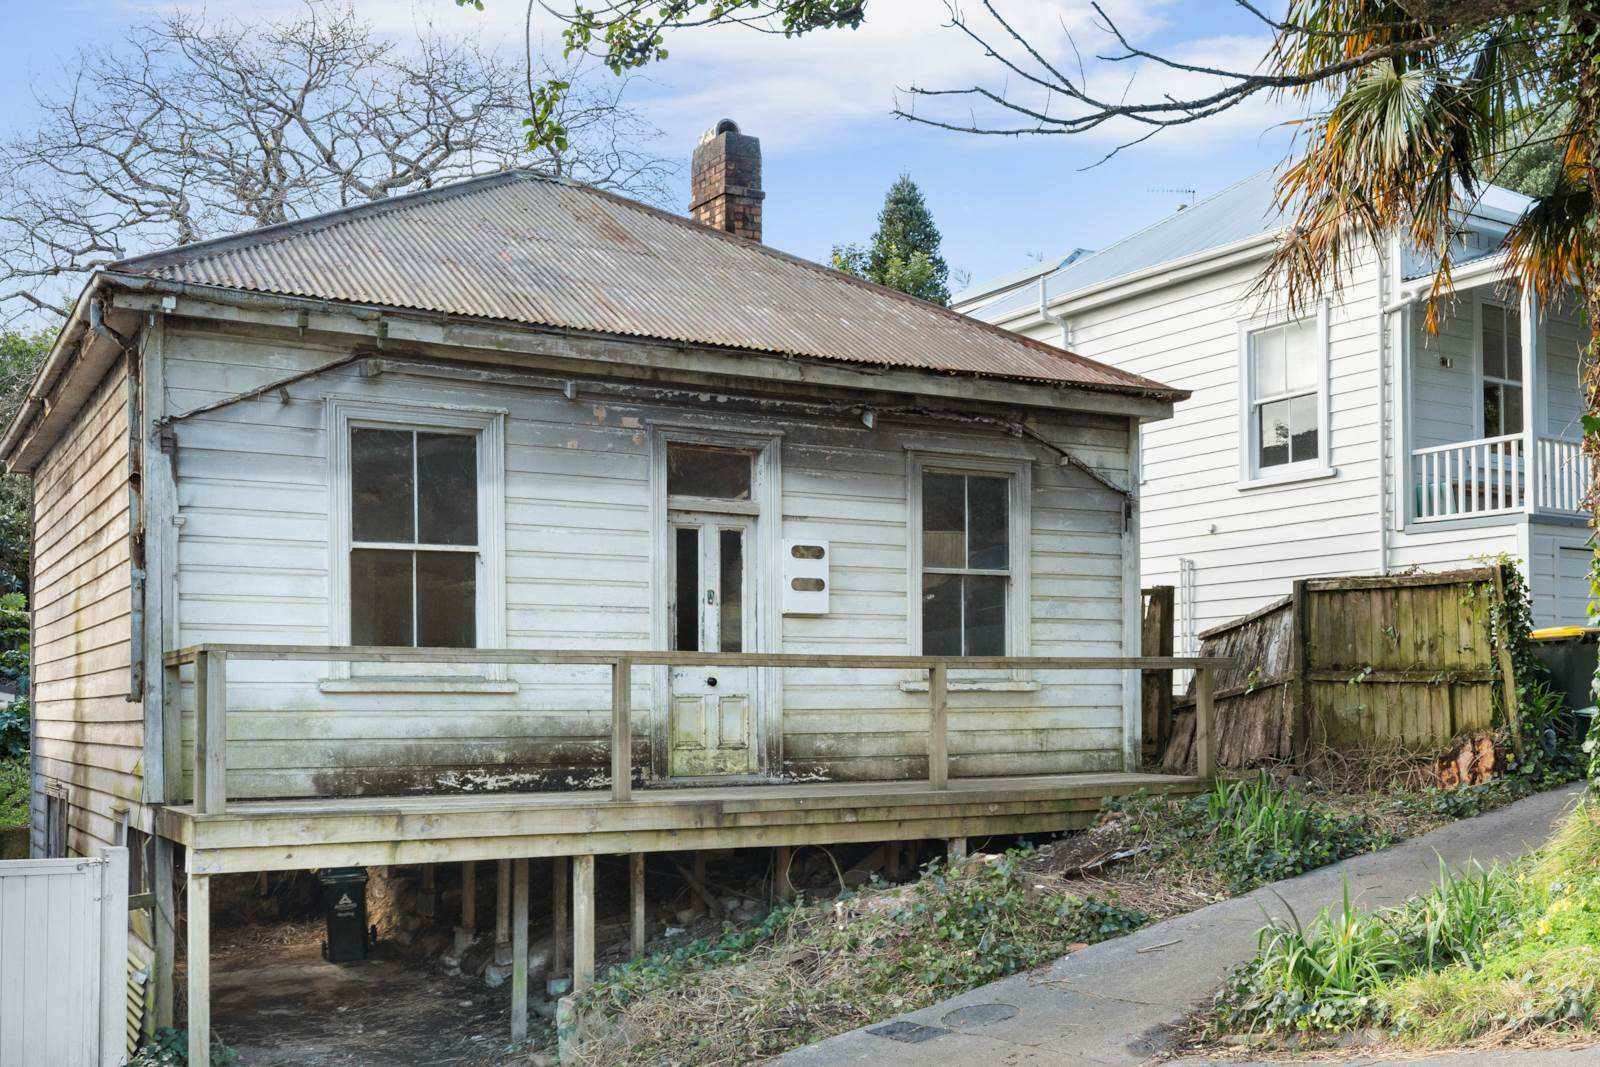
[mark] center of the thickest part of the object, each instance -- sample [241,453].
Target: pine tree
[904,253]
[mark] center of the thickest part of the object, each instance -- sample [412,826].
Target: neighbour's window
[1502,370]
[966,564]
[413,538]
[1285,381]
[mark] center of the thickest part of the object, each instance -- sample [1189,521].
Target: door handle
[711,596]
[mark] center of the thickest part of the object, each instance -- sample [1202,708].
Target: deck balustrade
[1492,476]
[210,664]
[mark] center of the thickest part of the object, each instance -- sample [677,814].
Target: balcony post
[211,733]
[621,730]
[1532,389]
[938,727]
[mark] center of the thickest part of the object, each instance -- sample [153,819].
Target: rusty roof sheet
[525,248]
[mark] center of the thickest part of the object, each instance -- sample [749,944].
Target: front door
[712,721]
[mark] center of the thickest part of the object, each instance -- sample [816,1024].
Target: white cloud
[838,85]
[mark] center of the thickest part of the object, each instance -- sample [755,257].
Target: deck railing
[1468,478]
[1491,476]
[1561,475]
[211,694]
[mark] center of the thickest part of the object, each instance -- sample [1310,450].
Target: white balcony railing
[1466,479]
[1491,477]
[1561,475]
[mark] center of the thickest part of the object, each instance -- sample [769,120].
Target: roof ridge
[1226,189]
[324,220]
[882,290]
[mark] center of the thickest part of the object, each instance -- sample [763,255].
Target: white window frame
[488,426]
[1251,474]
[1019,554]
[1481,377]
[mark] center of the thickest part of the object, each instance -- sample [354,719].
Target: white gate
[63,960]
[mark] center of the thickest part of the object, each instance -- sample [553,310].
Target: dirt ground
[279,1004]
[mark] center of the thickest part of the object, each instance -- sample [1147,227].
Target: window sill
[1314,474]
[418,685]
[976,685]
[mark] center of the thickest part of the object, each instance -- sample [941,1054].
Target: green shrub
[170,1048]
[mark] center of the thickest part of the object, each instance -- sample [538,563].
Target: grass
[1508,954]
[14,791]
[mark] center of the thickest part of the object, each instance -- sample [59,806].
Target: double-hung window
[414,537]
[966,563]
[1501,340]
[1284,412]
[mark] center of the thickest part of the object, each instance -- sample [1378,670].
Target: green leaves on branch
[544,126]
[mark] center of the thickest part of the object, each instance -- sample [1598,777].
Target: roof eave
[136,283]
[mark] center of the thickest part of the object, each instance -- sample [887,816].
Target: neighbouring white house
[1345,439]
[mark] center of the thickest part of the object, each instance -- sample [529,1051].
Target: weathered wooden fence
[1403,661]
[1159,616]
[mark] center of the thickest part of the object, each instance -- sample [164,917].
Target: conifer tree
[904,253]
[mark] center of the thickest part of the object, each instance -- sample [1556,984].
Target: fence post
[1300,714]
[1205,756]
[938,727]
[1508,671]
[621,730]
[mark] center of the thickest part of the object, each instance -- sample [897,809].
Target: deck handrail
[210,662]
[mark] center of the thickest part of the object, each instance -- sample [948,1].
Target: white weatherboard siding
[253,556]
[1559,572]
[1247,544]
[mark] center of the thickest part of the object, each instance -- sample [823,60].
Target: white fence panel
[63,960]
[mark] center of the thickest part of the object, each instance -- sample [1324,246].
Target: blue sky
[822,109]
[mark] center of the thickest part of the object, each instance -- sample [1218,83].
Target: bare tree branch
[190,128]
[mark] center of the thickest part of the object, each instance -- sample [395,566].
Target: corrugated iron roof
[522,247]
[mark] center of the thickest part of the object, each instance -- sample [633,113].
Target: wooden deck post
[519,951]
[165,919]
[955,850]
[621,730]
[582,923]
[780,872]
[426,896]
[1205,754]
[211,733]
[199,961]
[502,912]
[558,916]
[938,727]
[468,930]
[636,901]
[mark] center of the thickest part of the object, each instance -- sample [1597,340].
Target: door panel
[712,713]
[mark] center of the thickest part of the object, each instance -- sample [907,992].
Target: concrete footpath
[1117,1002]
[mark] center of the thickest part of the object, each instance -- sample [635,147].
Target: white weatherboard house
[1345,440]
[515,520]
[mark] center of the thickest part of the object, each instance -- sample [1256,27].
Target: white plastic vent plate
[805,577]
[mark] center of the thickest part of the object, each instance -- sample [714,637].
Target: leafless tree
[191,128]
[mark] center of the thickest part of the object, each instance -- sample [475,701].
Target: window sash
[1311,331]
[966,631]
[415,547]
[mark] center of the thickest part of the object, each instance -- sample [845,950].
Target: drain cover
[979,1014]
[910,1033]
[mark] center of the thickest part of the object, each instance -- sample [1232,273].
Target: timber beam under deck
[269,835]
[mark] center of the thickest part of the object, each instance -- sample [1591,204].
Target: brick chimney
[725,181]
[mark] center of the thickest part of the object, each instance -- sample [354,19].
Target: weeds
[816,969]
[1509,951]
[1330,975]
[170,1048]
[1247,833]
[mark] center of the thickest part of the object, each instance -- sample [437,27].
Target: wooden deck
[361,831]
